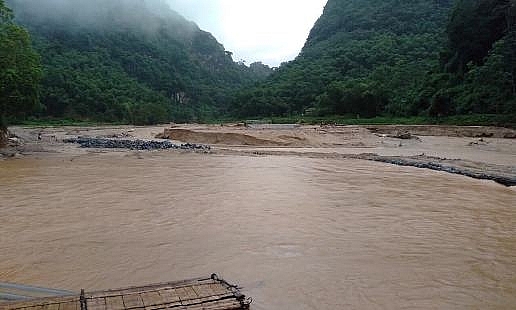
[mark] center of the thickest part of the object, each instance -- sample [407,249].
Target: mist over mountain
[141,62]
[143,15]
[128,60]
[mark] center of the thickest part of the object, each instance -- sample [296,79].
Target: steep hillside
[20,71]
[478,65]
[362,57]
[130,60]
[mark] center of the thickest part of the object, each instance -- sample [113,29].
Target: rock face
[88,142]
[3,138]
[439,164]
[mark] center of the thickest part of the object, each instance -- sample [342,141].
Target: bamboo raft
[201,293]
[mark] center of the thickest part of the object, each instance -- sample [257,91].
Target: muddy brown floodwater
[296,233]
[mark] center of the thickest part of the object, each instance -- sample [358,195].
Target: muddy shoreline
[503,175]
[486,153]
[439,164]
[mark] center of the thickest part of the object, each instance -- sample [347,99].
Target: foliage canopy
[20,70]
[128,61]
[397,58]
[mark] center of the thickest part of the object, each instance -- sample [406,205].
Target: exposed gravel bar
[90,142]
[505,175]
[506,180]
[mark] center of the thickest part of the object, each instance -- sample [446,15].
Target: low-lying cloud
[142,14]
[271,31]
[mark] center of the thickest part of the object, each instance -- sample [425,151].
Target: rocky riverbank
[441,164]
[501,174]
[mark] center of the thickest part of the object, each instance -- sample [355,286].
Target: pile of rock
[433,163]
[3,137]
[90,142]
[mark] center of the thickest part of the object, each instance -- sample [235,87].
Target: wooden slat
[151,299]
[152,287]
[98,303]
[219,289]
[204,294]
[170,296]
[209,295]
[185,297]
[192,295]
[206,282]
[133,301]
[115,303]
[214,290]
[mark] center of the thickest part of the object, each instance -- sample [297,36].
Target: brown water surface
[296,233]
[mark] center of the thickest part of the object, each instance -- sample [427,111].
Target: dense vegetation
[129,61]
[362,57]
[20,70]
[140,62]
[396,58]
[478,65]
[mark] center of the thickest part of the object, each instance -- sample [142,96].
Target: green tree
[366,57]
[478,66]
[100,65]
[20,70]
[353,97]
[473,29]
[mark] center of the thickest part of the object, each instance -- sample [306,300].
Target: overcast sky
[271,31]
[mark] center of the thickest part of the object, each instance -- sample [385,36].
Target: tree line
[20,70]
[121,64]
[363,58]
[397,58]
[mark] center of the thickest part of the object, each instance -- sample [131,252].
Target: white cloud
[271,31]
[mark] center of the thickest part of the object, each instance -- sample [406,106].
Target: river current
[294,232]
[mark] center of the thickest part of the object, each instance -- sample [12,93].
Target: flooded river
[296,233]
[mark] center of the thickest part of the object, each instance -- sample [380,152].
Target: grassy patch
[508,121]
[460,120]
[56,122]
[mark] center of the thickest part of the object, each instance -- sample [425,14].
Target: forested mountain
[128,60]
[139,61]
[361,57]
[393,57]
[478,65]
[20,71]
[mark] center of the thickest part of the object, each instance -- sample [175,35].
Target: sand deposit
[480,152]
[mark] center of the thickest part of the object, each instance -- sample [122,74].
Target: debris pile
[89,142]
